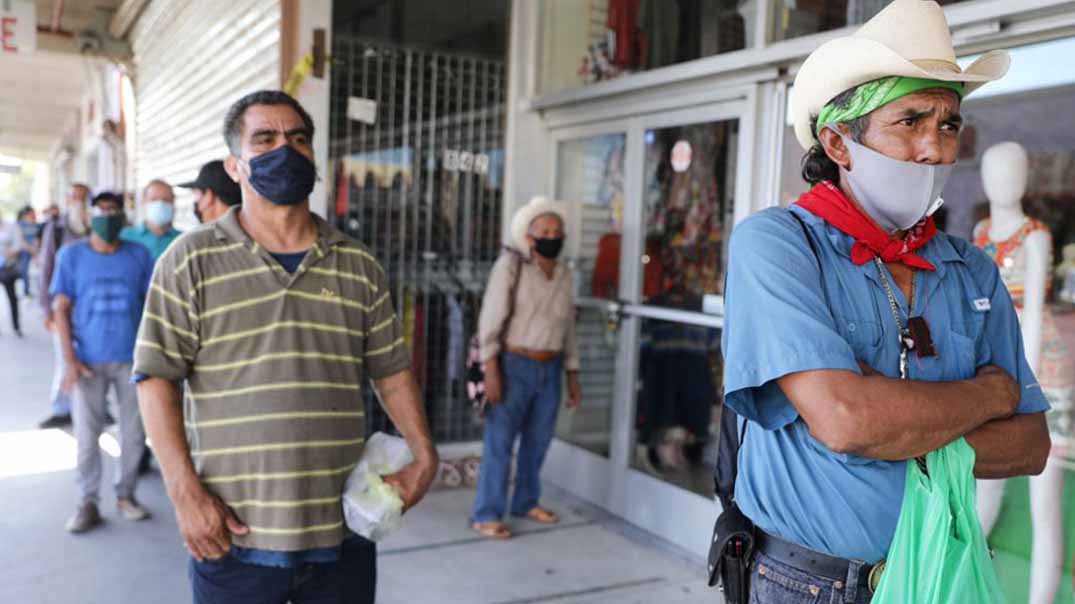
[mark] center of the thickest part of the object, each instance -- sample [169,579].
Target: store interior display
[631,36]
[1022,249]
[689,174]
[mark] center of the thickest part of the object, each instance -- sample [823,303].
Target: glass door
[653,201]
[691,183]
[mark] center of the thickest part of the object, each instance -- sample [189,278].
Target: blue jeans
[351,580]
[532,393]
[772,582]
[24,271]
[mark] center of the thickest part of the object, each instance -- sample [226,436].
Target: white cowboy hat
[537,206]
[908,38]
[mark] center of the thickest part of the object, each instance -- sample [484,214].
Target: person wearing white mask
[71,225]
[156,231]
[858,336]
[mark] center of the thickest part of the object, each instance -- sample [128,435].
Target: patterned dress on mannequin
[1055,372]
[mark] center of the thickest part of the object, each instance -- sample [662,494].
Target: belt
[817,563]
[541,356]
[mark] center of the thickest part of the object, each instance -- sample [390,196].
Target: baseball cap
[212,176]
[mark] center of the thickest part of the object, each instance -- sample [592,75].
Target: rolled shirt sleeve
[495,306]
[571,346]
[386,351]
[168,337]
[777,320]
[1004,338]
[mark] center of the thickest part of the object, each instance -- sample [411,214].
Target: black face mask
[198,214]
[549,248]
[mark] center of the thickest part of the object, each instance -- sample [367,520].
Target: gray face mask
[896,194]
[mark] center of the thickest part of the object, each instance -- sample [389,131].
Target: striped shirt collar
[227,228]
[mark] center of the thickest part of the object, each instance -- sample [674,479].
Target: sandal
[542,516]
[493,529]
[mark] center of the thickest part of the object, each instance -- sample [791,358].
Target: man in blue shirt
[99,287]
[156,231]
[857,336]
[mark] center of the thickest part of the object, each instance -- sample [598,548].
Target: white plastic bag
[371,507]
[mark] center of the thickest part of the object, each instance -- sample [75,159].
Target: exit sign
[18,26]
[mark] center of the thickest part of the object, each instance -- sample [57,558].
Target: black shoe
[109,420]
[55,421]
[18,334]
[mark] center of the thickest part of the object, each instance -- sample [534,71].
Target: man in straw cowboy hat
[527,336]
[831,303]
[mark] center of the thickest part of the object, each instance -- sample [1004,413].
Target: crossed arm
[875,416]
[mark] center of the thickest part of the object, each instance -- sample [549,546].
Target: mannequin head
[1004,174]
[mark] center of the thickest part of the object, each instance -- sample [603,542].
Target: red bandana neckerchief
[829,203]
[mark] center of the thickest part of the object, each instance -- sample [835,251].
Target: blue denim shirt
[783,315]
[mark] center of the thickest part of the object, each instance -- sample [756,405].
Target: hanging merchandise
[623,24]
[939,554]
[659,22]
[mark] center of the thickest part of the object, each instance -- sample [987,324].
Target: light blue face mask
[159,212]
[896,194]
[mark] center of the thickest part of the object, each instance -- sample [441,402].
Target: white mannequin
[1004,176]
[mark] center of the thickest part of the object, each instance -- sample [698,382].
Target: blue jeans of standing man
[772,582]
[532,392]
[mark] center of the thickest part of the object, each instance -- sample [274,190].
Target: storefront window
[588,41]
[689,176]
[590,175]
[794,18]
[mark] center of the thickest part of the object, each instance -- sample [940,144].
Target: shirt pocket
[864,336]
[956,359]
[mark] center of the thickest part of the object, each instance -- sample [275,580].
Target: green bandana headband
[872,95]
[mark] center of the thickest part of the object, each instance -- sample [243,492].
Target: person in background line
[156,231]
[99,287]
[527,335]
[60,229]
[12,245]
[214,192]
[275,320]
[31,235]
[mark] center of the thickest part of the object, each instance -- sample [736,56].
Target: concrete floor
[589,558]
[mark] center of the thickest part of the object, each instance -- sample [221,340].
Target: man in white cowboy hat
[527,335]
[858,336]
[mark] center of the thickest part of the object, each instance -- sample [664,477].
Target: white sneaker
[131,509]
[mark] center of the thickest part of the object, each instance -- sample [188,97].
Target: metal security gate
[417,143]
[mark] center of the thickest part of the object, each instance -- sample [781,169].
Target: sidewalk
[589,558]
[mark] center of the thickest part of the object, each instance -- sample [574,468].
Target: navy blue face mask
[283,176]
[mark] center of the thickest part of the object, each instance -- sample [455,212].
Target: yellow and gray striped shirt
[274,364]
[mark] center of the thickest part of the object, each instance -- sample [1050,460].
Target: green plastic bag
[939,554]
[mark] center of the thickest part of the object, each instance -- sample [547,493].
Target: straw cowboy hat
[538,206]
[908,38]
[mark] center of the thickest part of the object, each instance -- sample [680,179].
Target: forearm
[62,316]
[884,418]
[1010,447]
[403,403]
[905,419]
[158,400]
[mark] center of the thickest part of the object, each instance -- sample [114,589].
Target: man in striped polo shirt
[274,319]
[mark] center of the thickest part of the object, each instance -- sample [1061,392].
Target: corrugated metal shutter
[193,59]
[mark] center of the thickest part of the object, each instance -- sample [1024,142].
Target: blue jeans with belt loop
[531,397]
[773,582]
